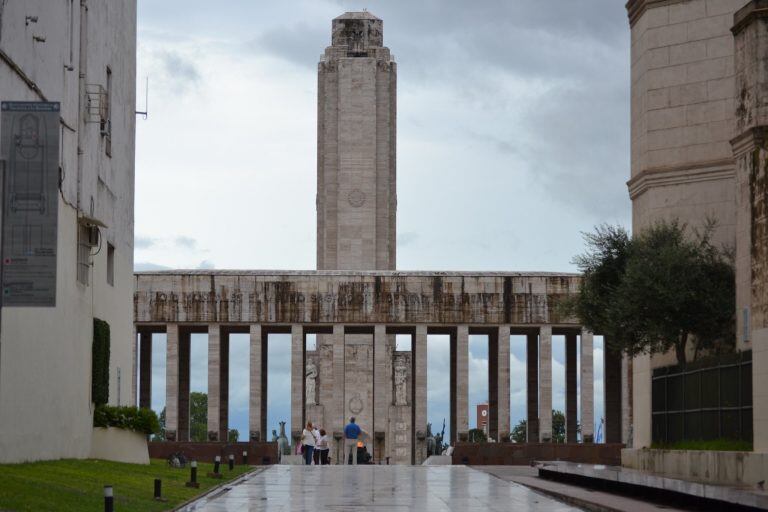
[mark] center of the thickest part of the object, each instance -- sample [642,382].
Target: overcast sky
[513,131]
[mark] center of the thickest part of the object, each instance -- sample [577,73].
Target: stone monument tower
[356,130]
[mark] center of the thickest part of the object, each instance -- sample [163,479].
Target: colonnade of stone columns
[539,380]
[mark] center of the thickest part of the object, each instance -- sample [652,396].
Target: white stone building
[83,55]
[698,151]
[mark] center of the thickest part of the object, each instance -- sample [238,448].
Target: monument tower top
[357,31]
[356,148]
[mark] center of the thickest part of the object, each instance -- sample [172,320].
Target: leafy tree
[160,436]
[658,291]
[198,417]
[602,266]
[558,426]
[675,290]
[233,435]
[477,435]
[520,432]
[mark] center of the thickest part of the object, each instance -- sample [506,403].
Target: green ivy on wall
[100,362]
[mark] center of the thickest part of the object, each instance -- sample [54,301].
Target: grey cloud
[147,266]
[406,238]
[181,72]
[205,264]
[300,44]
[143,242]
[185,242]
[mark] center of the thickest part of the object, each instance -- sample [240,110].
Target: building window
[110,264]
[83,254]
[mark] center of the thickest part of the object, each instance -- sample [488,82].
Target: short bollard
[109,499]
[231,462]
[158,489]
[245,458]
[193,475]
[216,466]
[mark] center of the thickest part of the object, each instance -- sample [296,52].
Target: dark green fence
[709,399]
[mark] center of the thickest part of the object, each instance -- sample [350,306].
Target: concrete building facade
[81,54]
[698,144]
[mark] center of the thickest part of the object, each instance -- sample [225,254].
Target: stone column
[613,390]
[184,349]
[641,402]
[419,352]
[750,151]
[257,405]
[214,381]
[382,390]
[218,383]
[545,383]
[134,364]
[498,384]
[460,375]
[532,386]
[336,415]
[626,400]
[145,369]
[172,382]
[587,387]
[571,401]
[297,382]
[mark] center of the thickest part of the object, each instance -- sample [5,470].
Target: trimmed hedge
[130,418]
[100,362]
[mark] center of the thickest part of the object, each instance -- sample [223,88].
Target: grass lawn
[78,485]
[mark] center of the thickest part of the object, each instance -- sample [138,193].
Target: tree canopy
[664,289]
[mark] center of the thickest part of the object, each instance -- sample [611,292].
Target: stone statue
[274,435]
[283,445]
[401,376]
[311,382]
[430,441]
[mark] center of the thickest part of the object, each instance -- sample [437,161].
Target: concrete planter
[119,445]
[714,467]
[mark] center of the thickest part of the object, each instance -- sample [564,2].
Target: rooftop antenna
[145,113]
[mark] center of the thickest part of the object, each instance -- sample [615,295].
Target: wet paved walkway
[377,488]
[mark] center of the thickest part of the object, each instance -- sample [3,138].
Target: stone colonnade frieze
[355,367]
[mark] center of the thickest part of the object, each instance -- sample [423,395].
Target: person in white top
[308,443]
[316,453]
[322,448]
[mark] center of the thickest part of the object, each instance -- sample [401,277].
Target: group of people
[315,447]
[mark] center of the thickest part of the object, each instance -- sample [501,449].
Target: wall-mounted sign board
[29,145]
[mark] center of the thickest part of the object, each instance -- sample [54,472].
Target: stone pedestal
[400,432]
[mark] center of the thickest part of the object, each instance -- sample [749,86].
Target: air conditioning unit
[92,237]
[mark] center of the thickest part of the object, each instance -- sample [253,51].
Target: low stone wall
[714,467]
[119,445]
[258,453]
[523,454]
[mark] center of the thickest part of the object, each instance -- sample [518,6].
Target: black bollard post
[158,489]
[245,458]
[193,475]
[216,466]
[109,499]
[231,461]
